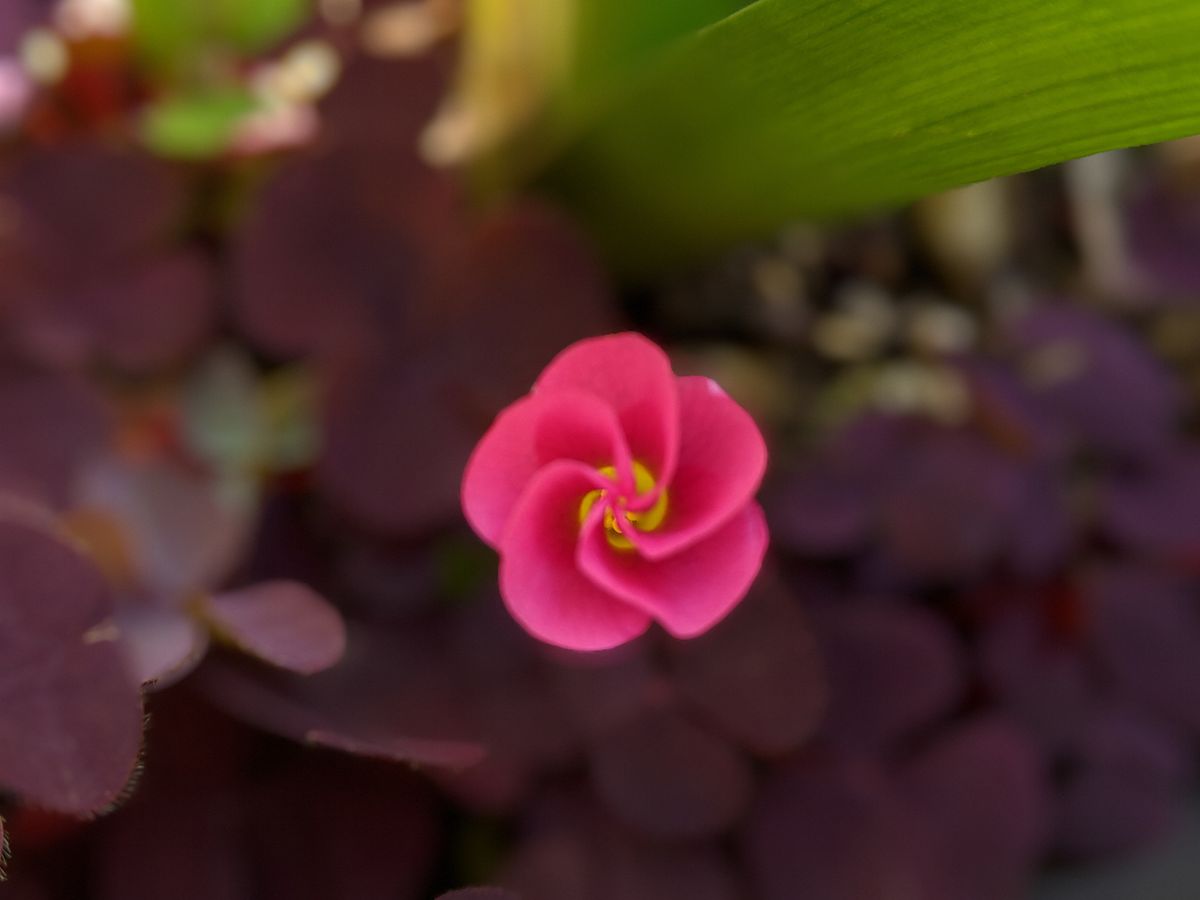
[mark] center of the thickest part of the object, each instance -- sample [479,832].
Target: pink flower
[618,494]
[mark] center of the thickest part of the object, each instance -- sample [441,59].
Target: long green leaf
[531,68]
[823,108]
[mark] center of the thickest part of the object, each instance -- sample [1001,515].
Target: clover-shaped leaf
[70,712]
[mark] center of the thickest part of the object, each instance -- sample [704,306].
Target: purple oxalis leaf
[378,838]
[890,670]
[1126,788]
[391,697]
[758,675]
[280,622]
[837,830]
[982,788]
[602,691]
[71,722]
[1097,379]
[52,424]
[1145,624]
[1156,513]
[1042,682]
[181,536]
[161,645]
[951,506]
[667,777]
[575,853]
[132,328]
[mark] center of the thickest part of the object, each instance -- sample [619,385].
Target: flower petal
[525,437]
[722,458]
[692,590]
[539,579]
[634,376]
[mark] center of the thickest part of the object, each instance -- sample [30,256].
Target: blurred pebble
[969,232]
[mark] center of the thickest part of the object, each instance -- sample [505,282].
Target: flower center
[646,520]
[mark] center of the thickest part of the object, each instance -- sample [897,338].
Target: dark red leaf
[391,697]
[72,717]
[666,777]
[1156,512]
[1096,379]
[52,424]
[68,194]
[951,507]
[160,644]
[1042,681]
[603,691]
[757,675]
[1126,789]
[343,828]
[984,791]
[891,670]
[339,250]
[147,850]
[577,854]
[151,315]
[495,786]
[836,830]
[820,512]
[283,623]
[395,446]
[182,536]
[1145,627]
[646,871]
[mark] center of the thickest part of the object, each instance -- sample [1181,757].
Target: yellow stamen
[646,520]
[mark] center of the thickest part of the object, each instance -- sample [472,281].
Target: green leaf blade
[804,109]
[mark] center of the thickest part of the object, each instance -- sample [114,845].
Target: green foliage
[173,34]
[815,109]
[254,25]
[167,32]
[530,69]
[613,36]
[195,125]
[195,49]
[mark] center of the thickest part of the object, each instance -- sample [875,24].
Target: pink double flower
[618,494]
